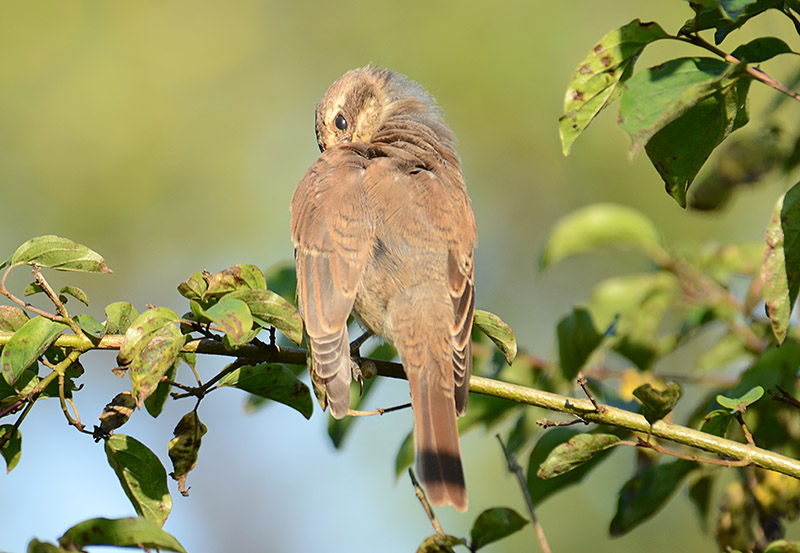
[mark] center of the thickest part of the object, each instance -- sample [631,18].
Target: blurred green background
[169,137]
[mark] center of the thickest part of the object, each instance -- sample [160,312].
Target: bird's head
[378,105]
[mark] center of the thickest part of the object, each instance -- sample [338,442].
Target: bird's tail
[421,330]
[438,453]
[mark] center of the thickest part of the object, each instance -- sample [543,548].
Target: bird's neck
[423,137]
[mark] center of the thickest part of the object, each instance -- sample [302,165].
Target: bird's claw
[355,370]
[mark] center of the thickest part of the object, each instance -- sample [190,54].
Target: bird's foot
[358,376]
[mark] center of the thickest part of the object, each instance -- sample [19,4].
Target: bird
[382,227]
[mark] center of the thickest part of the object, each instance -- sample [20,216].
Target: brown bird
[382,225]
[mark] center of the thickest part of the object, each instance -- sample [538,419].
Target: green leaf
[282,279]
[522,431]
[59,253]
[32,289]
[657,404]
[12,449]
[27,345]
[495,524]
[783,546]
[680,148]
[231,315]
[153,362]
[761,49]
[733,9]
[184,447]
[119,316]
[238,277]
[574,453]
[599,226]
[498,332]
[270,309]
[141,475]
[194,288]
[274,382]
[142,330]
[405,455]
[700,496]
[439,543]
[658,95]
[547,442]
[12,318]
[780,269]
[740,404]
[737,13]
[75,292]
[577,339]
[91,326]
[643,495]
[156,401]
[717,422]
[121,532]
[24,385]
[595,82]
[36,546]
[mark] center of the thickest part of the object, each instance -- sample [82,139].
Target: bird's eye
[340,122]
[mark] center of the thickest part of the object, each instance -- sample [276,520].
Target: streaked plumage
[382,226]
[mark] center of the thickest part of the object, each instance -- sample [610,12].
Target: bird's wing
[453,217]
[330,235]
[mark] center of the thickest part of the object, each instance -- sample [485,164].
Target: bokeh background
[169,137]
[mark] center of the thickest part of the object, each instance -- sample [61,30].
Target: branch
[582,408]
[633,421]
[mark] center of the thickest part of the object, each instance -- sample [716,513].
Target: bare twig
[748,436]
[38,279]
[24,304]
[647,444]
[784,397]
[7,436]
[379,411]
[544,423]
[423,499]
[515,469]
[582,382]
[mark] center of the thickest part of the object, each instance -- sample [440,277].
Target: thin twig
[39,279]
[514,468]
[646,444]
[379,411]
[423,499]
[7,436]
[582,382]
[544,423]
[784,397]
[748,436]
[24,304]
[757,74]
[76,421]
